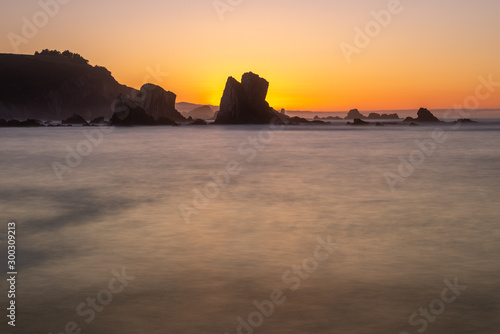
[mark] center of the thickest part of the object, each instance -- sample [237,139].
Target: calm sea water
[119,207]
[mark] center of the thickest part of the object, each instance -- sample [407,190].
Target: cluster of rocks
[13,123]
[75,119]
[152,105]
[355,114]
[241,103]
[423,116]
[329,118]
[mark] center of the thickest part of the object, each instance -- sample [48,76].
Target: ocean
[254,229]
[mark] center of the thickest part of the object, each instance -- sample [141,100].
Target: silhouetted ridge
[204,112]
[54,86]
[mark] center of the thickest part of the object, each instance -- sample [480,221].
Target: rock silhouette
[128,113]
[328,118]
[53,87]
[354,113]
[29,123]
[375,115]
[424,115]
[165,121]
[464,120]
[98,120]
[75,119]
[158,103]
[245,102]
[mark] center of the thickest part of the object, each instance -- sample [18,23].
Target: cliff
[54,87]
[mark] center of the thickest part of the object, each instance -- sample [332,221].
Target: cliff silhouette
[54,86]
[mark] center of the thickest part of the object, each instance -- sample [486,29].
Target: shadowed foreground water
[120,209]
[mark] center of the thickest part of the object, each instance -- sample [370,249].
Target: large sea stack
[158,103]
[245,102]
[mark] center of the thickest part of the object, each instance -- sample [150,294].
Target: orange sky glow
[424,54]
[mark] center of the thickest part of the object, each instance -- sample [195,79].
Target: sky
[321,55]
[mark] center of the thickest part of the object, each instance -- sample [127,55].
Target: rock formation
[53,87]
[158,103]
[29,123]
[165,121]
[424,115]
[329,118]
[375,115]
[354,113]
[464,120]
[128,113]
[245,102]
[98,120]
[75,119]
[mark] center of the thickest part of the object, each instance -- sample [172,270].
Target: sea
[252,229]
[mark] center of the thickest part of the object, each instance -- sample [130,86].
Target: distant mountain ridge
[204,112]
[185,107]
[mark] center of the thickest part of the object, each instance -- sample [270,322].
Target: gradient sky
[431,54]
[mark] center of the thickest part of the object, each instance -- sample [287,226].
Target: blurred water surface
[120,209]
